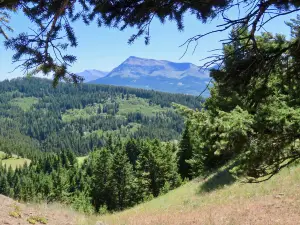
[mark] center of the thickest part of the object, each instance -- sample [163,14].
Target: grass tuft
[16,213]
[37,219]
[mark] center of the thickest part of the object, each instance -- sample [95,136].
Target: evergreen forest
[95,147]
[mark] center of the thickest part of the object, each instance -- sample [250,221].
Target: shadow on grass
[218,180]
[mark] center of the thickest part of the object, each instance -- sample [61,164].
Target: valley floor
[216,200]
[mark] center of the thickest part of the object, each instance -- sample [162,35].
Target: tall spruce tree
[101,179]
[142,183]
[169,169]
[185,152]
[132,150]
[122,180]
[159,165]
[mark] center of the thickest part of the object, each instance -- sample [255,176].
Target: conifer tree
[142,184]
[169,167]
[132,150]
[122,180]
[17,189]
[110,144]
[147,165]
[159,165]
[185,153]
[4,185]
[10,175]
[101,175]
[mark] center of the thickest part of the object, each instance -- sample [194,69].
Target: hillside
[160,75]
[13,160]
[13,213]
[217,200]
[36,116]
[212,201]
[91,147]
[127,143]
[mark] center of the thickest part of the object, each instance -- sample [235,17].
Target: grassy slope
[85,113]
[214,201]
[52,215]
[138,105]
[219,200]
[131,105]
[124,131]
[14,161]
[24,103]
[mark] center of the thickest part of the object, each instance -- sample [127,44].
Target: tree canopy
[251,118]
[44,48]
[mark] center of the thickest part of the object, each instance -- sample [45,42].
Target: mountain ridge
[160,75]
[90,75]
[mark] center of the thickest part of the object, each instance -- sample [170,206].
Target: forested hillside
[34,115]
[128,138]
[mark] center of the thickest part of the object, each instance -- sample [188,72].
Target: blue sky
[104,48]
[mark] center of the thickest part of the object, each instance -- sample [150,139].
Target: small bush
[37,219]
[17,211]
[31,221]
[82,203]
[15,214]
[103,210]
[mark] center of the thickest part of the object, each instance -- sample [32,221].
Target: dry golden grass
[13,213]
[15,162]
[276,201]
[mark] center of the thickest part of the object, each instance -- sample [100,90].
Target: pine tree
[101,171]
[142,184]
[99,110]
[169,167]
[122,180]
[147,166]
[10,175]
[110,144]
[159,165]
[71,158]
[4,185]
[17,189]
[133,151]
[185,153]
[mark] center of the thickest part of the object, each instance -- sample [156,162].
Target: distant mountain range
[160,75]
[91,75]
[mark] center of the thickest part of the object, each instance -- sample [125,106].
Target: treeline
[116,177]
[71,96]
